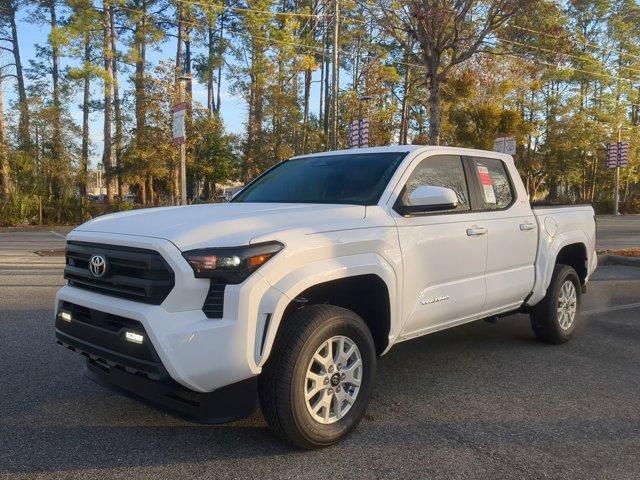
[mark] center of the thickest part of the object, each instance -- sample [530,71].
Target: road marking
[627,306]
[58,234]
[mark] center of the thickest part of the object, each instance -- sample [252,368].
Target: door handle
[527,226]
[475,231]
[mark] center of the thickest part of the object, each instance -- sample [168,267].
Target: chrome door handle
[527,226]
[475,231]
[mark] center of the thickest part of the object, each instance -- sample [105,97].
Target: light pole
[183,147]
[616,193]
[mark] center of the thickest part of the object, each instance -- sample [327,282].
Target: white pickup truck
[290,292]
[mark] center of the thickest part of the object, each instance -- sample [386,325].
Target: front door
[443,253]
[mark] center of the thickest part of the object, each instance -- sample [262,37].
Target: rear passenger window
[441,171]
[495,188]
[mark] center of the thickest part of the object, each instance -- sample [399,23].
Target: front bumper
[142,376]
[220,406]
[198,353]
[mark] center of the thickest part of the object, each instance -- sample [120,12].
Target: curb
[608,259]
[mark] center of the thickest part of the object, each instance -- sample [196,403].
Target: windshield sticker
[487,185]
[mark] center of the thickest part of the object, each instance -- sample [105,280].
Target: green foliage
[562,79]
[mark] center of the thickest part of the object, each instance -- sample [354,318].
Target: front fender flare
[294,283]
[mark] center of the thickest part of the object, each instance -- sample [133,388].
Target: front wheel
[554,319]
[318,381]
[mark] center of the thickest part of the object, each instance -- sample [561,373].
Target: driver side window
[441,171]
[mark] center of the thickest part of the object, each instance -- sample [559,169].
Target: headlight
[230,264]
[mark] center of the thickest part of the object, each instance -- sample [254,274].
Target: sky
[233,109]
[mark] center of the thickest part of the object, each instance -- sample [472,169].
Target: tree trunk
[86,93]
[5,177]
[211,104]
[305,116]
[404,120]
[434,108]
[24,134]
[220,61]
[140,36]
[108,99]
[179,49]
[116,98]
[55,75]
[326,90]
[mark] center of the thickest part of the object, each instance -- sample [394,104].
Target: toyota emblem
[98,266]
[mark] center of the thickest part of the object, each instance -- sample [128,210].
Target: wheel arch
[570,249]
[365,284]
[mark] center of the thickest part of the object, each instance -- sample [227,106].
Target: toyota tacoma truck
[289,293]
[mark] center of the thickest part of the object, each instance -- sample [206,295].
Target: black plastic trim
[226,404]
[213,306]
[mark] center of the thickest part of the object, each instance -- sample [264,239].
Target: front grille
[133,273]
[100,336]
[214,303]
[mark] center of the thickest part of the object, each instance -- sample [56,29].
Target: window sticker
[487,185]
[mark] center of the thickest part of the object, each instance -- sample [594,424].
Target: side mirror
[429,198]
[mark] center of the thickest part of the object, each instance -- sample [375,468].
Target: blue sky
[234,109]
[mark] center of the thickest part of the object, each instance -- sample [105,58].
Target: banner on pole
[354,134]
[617,154]
[359,133]
[364,133]
[179,110]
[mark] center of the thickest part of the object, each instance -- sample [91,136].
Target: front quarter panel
[322,257]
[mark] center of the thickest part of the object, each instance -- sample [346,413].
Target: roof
[416,149]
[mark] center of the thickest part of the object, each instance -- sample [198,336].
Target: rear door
[443,253]
[512,233]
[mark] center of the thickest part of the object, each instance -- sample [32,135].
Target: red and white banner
[178,111]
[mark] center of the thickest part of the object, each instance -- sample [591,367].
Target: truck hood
[223,224]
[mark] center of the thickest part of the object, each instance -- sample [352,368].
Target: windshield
[357,179]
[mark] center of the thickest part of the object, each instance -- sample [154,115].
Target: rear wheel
[318,381]
[554,319]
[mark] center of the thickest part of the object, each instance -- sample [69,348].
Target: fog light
[66,316]
[134,337]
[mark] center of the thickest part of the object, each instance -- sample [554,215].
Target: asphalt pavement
[616,232]
[478,401]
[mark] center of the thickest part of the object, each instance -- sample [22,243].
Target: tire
[283,382]
[548,323]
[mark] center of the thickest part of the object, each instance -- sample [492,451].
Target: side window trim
[473,184]
[482,205]
[470,191]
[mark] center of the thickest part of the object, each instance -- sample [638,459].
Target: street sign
[505,145]
[617,154]
[178,123]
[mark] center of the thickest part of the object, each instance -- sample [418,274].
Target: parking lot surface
[478,401]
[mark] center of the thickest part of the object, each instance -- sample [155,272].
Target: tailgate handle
[527,226]
[475,231]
